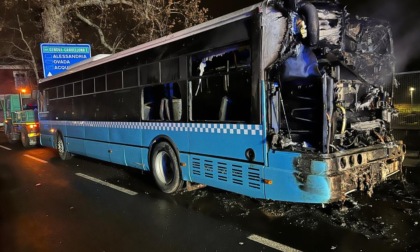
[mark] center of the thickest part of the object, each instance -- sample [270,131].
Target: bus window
[114,81]
[149,74]
[235,58]
[77,88]
[130,77]
[80,111]
[52,93]
[170,70]
[207,98]
[98,107]
[60,91]
[222,98]
[88,86]
[162,102]
[62,109]
[68,90]
[123,105]
[100,84]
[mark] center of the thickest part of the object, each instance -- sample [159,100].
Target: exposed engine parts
[331,85]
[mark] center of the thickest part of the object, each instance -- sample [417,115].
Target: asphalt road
[85,205]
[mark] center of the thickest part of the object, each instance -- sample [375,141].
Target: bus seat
[146,111]
[164,109]
[223,108]
[177,109]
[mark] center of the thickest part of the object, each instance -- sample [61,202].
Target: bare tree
[18,38]
[109,25]
[114,21]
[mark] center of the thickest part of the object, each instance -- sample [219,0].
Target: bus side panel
[75,136]
[117,154]
[98,132]
[97,140]
[239,177]
[46,139]
[75,145]
[133,157]
[290,185]
[227,140]
[98,150]
[126,136]
[76,129]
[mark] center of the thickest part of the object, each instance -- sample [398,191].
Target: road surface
[86,205]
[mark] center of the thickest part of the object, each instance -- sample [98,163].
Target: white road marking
[37,159]
[4,147]
[272,244]
[121,189]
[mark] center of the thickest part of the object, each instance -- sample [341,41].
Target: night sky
[403,16]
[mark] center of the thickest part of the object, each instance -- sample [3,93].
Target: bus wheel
[64,154]
[165,168]
[24,138]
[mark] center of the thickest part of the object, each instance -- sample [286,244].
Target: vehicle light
[268,181]
[32,126]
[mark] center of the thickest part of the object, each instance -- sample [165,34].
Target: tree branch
[98,29]
[86,3]
[31,54]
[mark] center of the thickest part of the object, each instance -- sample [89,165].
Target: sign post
[56,58]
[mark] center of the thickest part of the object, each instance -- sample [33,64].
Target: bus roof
[214,23]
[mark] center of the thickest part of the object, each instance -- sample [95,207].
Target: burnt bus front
[329,79]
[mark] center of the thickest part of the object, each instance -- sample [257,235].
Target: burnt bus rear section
[329,80]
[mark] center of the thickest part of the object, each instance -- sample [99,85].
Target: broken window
[220,85]
[163,102]
[234,58]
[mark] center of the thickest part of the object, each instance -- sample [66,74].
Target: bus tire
[24,138]
[165,168]
[62,152]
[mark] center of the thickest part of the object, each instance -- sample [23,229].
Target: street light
[411,96]
[21,92]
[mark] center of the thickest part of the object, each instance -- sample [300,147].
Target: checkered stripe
[231,129]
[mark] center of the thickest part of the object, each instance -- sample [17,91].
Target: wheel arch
[159,139]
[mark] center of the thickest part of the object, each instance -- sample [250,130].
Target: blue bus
[283,100]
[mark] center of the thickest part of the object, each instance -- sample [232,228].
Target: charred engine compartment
[330,88]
